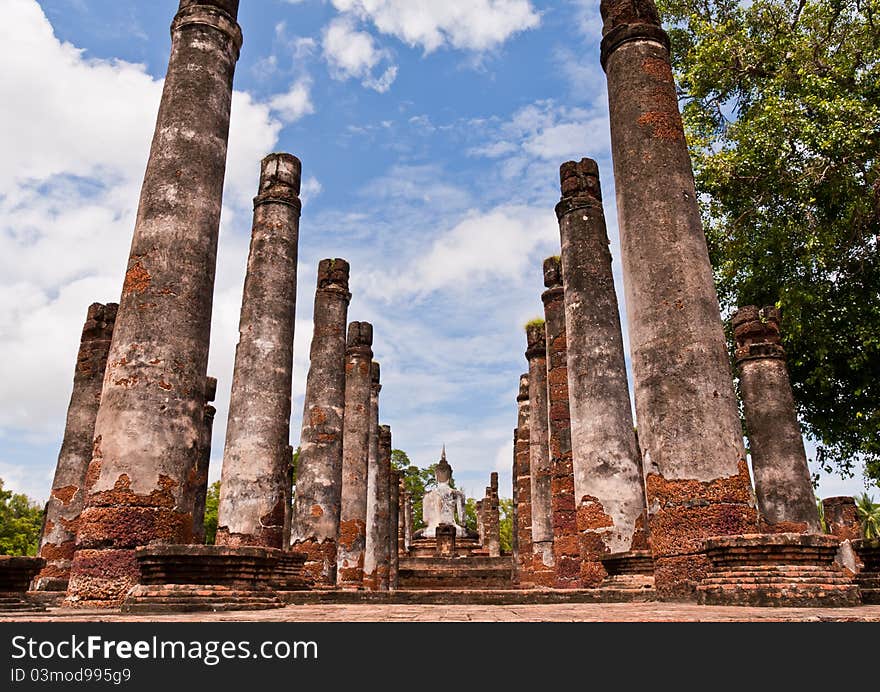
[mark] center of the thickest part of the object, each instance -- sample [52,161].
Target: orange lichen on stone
[666,126]
[137,280]
[316,511]
[165,385]
[350,531]
[65,494]
[657,68]
[591,515]
[666,493]
[317,416]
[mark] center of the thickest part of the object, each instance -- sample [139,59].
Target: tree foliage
[869,516]
[21,521]
[417,482]
[212,503]
[781,103]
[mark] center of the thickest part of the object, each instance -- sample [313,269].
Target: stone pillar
[393,544]
[491,518]
[514,536]
[150,421]
[481,522]
[289,479]
[523,485]
[377,556]
[539,456]
[566,554]
[608,485]
[315,526]
[786,502]
[355,456]
[200,478]
[255,461]
[68,488]
[842,517]
[697,478]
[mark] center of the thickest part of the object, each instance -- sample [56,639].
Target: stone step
[473,596]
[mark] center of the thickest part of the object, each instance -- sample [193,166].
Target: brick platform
[16,574]
[469,597]
[289,574]
[632,570]
[869,578]
[191,578]
[786,569]
[455,573]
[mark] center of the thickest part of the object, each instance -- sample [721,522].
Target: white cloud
[294,104]
[353,53]
[475,25]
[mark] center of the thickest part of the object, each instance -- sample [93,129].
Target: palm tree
[869,516]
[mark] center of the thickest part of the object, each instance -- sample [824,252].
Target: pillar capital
[280,180]
[523,388]
[536,340]
[221,15]
[333,275]
[360,339]
[385,436]
[579,181]
[629,20]
[375,378]
[552,280]
[756,332]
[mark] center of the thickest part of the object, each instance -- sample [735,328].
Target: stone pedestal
[786,502]
[630,570]
[57,544]
[697,478]
[523,487]
[315,525]
[355,457]
[188,578]
[16,574]
[445,541]
[149,426]
[868,579]
[782,569]
[842,518]
[541,559]
[608,484]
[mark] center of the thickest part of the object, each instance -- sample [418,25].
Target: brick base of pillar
[868,579]
[289,573]
[785,569]
[195,578]
[633,570]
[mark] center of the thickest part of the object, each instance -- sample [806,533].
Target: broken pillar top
[580,179]
[629,20]
[99,321]
[523,387]
[536,340]
[230,7]
[333,274]
[210,388]
[375,376]
[280,179]
[553,272]
[756,332]
[360,337]
[385,435]
[493,481]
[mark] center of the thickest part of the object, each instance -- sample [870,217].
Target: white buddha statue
[442,504]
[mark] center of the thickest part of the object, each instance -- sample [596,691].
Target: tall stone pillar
[697,478]
[523,484]
[786,501]
[539,457]
[315,526]
[68,488]
[355,457]
[608,484]
[491,518]
[150,422]
[200,478]
[566,554]
[377,557]
[394,532]
[255,461]
[407,521]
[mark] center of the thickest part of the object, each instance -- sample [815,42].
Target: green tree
[869,516]
[212,502]
[21,521]
[781,104]
[417,482]
[505,525]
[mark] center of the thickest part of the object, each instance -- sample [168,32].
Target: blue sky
[430,133]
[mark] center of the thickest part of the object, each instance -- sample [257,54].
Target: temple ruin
[606,507]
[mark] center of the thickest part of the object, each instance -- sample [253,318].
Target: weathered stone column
[608,485]
[377,557]
[255,461]
[566,553]
[394,528]
[315,526]
[539,456]
[697,478]
[68,488]
[152,409]
[523,485]
[355,456]
[786,501]
[407,521]
[200,478]
[491,518]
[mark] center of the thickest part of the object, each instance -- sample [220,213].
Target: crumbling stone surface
[491,518]
[66,500]
[779,461]
[255,461]
[523,486]
[355,456]
[445,541]
[149,426]
[608,483]
[566,549]
[316,507]
[541,561]
[842,518]
[689,427]
[783,569]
